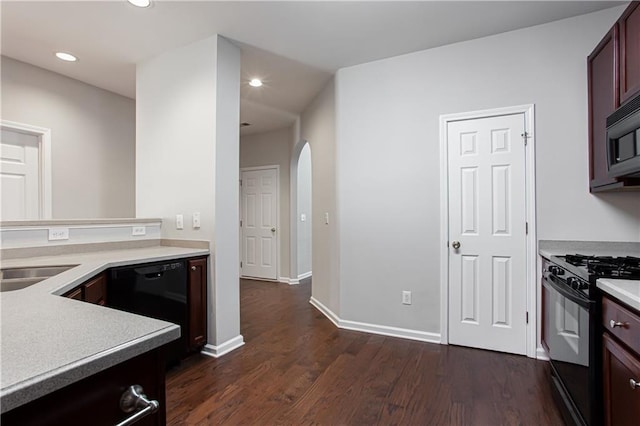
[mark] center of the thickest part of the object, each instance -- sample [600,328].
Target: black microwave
[623,140]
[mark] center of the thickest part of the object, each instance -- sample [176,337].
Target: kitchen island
[50,342]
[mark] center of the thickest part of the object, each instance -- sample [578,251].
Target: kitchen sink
[19,278]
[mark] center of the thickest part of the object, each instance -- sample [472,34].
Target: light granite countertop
[49,341]
[627,291]
[548,248]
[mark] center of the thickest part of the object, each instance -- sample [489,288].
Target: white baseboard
[403,333]
[541,354]
[326,311]
[303,276]
[224,348]
[287,280]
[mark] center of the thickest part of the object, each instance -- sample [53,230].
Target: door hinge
[525,136]
[241,264]
[240,182]
[526,228]
[527,317]
[240,223]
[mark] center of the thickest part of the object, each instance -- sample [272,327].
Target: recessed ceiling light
[140,3]
[66,56]
[255,82]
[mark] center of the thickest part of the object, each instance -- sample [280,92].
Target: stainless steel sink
[19,278]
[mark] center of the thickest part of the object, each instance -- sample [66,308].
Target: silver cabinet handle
[455,245]
[614,324]
[634,384]
[134,399]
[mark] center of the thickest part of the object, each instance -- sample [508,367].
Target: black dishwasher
[157,290]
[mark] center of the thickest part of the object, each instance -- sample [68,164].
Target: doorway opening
[301,212]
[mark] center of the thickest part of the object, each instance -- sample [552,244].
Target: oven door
[566,335]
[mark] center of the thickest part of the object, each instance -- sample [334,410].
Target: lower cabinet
[197,301]
[621,364]
[95,400]
[93,291]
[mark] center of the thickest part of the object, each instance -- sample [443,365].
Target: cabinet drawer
[621,396]
[96,290]
[626,324]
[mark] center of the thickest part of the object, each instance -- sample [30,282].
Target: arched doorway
[301,223]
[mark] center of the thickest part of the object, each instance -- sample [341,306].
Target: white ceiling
[294,46]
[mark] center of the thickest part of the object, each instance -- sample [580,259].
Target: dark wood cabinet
[603,100]
[197,301]
[629,25]
[93,291]
[95,400]
[621,364]
[613,76]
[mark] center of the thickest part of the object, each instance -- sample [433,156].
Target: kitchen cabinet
[95,400]
[613,77]
[197,301]
[629,25]
[621,359]
[93,291]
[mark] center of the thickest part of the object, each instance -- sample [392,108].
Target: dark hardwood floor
[297,368]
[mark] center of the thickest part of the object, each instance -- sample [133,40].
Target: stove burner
[617,267]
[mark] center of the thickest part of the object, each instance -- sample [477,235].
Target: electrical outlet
[303,217]
[406,297]
[326,218]
[196,220]
[58,234]
[138,230]
[179,221]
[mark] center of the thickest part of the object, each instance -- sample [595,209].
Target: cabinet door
[629,52]
[603,100]
[95,291]
[75,294]
[621,397]
[197,300]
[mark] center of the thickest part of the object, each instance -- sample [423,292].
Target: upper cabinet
[629,25]
[613,70]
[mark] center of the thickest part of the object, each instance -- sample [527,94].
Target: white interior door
[259,223]
[20,180]
[487,217]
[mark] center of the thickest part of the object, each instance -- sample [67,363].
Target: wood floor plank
[297,368]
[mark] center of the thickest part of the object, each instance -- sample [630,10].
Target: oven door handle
[552,285]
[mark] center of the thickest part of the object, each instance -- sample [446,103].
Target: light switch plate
[326,218]
[56,234]
[303,217]
[179,221]
[138,230]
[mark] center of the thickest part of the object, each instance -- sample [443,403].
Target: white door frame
[251,169]
[44,153]
[532,290]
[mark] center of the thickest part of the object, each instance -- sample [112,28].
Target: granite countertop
[548,248]
[627,291]
[49,341]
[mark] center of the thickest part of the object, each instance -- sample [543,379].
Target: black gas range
[571,329]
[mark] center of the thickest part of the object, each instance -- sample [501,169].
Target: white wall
[227,196]
[388,158]
[304,208]
[187,160]
[268,149]
[92,139]
[318,127]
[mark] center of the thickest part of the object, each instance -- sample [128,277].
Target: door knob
[273,229]
[455,245]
